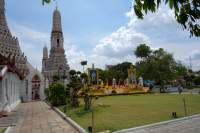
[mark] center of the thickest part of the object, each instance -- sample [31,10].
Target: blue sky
[100,31]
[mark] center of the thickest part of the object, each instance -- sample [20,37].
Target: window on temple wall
[26,86]
[6,87]
[11,88]
[58,43]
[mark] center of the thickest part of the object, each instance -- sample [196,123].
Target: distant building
[12,58]
[107,67]
[55,64]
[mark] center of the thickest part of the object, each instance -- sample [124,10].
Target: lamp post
[83,63]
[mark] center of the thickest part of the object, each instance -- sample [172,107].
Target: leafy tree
[56,78]
[110,74]
[119,72]
[78,73]
[87,96]
[197,80]
[189,78]
[84,76]
[143,51]
[73,88]
[187,12]
[159,66]
[56,94]
[101,74]
[72,73]
[180,70]
[46,1]
[122,69]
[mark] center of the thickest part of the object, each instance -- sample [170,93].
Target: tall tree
[187,12]
[73,87]
[119,72]
[122,69]
[143,51]
[159,66]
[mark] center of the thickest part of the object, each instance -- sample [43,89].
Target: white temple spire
[56,63]
[57,26]
[45,52]
[57,39]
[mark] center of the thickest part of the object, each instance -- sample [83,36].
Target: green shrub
[56,94]
[197,80]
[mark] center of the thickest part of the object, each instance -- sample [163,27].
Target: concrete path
[37,117]
[182,125]
[10,120]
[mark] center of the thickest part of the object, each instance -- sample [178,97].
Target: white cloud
[74,56]
[120,43]
[30,34]
[31,42]
[158,29]
[195,55]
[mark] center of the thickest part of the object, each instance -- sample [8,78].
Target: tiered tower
[55,64]
[9,45]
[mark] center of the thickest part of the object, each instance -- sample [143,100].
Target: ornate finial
[56,5]
[45,45]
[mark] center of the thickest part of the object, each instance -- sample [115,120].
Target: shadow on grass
[97,108]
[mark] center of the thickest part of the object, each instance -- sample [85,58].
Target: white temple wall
[42,88]
[10,92]
[24,91]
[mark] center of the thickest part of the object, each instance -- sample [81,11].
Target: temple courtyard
[115,113]
[36,117]
[111,113]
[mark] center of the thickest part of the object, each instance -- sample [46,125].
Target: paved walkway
[37,117]
[10,120]
[183,125]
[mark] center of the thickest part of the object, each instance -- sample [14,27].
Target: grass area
[195,88]
[120,112]
[2,130]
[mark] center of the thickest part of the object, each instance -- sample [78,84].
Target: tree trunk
[87,100]
[162,89]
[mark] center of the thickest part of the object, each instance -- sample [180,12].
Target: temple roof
[7,65]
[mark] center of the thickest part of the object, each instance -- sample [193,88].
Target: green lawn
[2,130]
[129,111]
